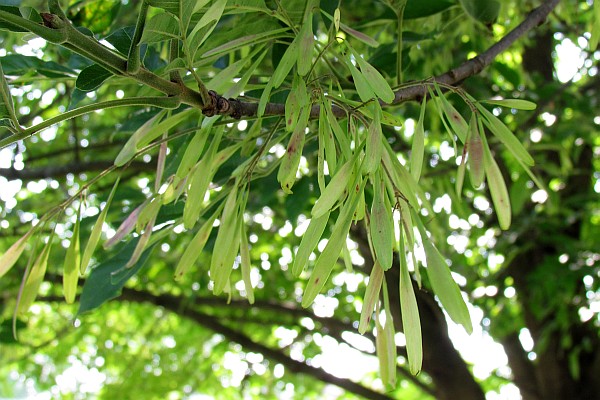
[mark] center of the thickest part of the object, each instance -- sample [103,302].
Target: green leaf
[17,64]
[456,120]
[474,146]
[335,189]
[195,148]
[72,263]
[386,349]
[417,151]
[34,279]
[410,316]
[371,297]
[199,178]
[306,46]
[8,259]
[484,11]
[380,226]
[374,142]
[354,33]
[96,231]
[513,103]
[424,8]
[245,264]
[148,132]
[310,239]
[363,88]
[106,281]
[90,78]
[505,135]
[161,27]
[374,79]
[443,284]
[328,258]
[227,242]
[7,107]
[185,11]
[205,26]
[195,247]
[246,41]
[497,188]
[171,6]
[290,161]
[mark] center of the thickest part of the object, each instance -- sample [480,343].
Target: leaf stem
[133,58]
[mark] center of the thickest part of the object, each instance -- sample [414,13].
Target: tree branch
[53,171]
[176,305]
[452,77]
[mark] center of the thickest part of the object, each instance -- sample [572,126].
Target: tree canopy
[299,199]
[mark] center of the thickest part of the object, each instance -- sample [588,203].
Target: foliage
[269,152]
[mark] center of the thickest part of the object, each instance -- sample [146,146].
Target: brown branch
[238,109]
[54,171]
[68,150]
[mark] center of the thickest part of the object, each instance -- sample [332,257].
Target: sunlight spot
[325,306]
[549,119]
[539,196]
[446,151]
[535,135]
[569,60]
[510,292]
[526,339]
[409,128]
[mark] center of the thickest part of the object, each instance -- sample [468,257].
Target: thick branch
[176,305]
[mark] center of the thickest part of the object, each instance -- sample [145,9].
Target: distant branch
[55,171]
[176,305]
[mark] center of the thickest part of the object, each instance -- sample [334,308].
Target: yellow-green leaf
[306,45]
[34,280]
[195,247]
[310,239]
[380,227]
[444,285]
[96,231]
[502,132]
[333,249]
[291,159]
[371,297]
[72,262]
[226,243]
[417,151]
[245,264]
[11,256]
[513,103]
[374,142]
[410,317]
[498,189]
[474,147]
[364,90]
[195,148]
[334,190]
[374,79]
[386,350]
